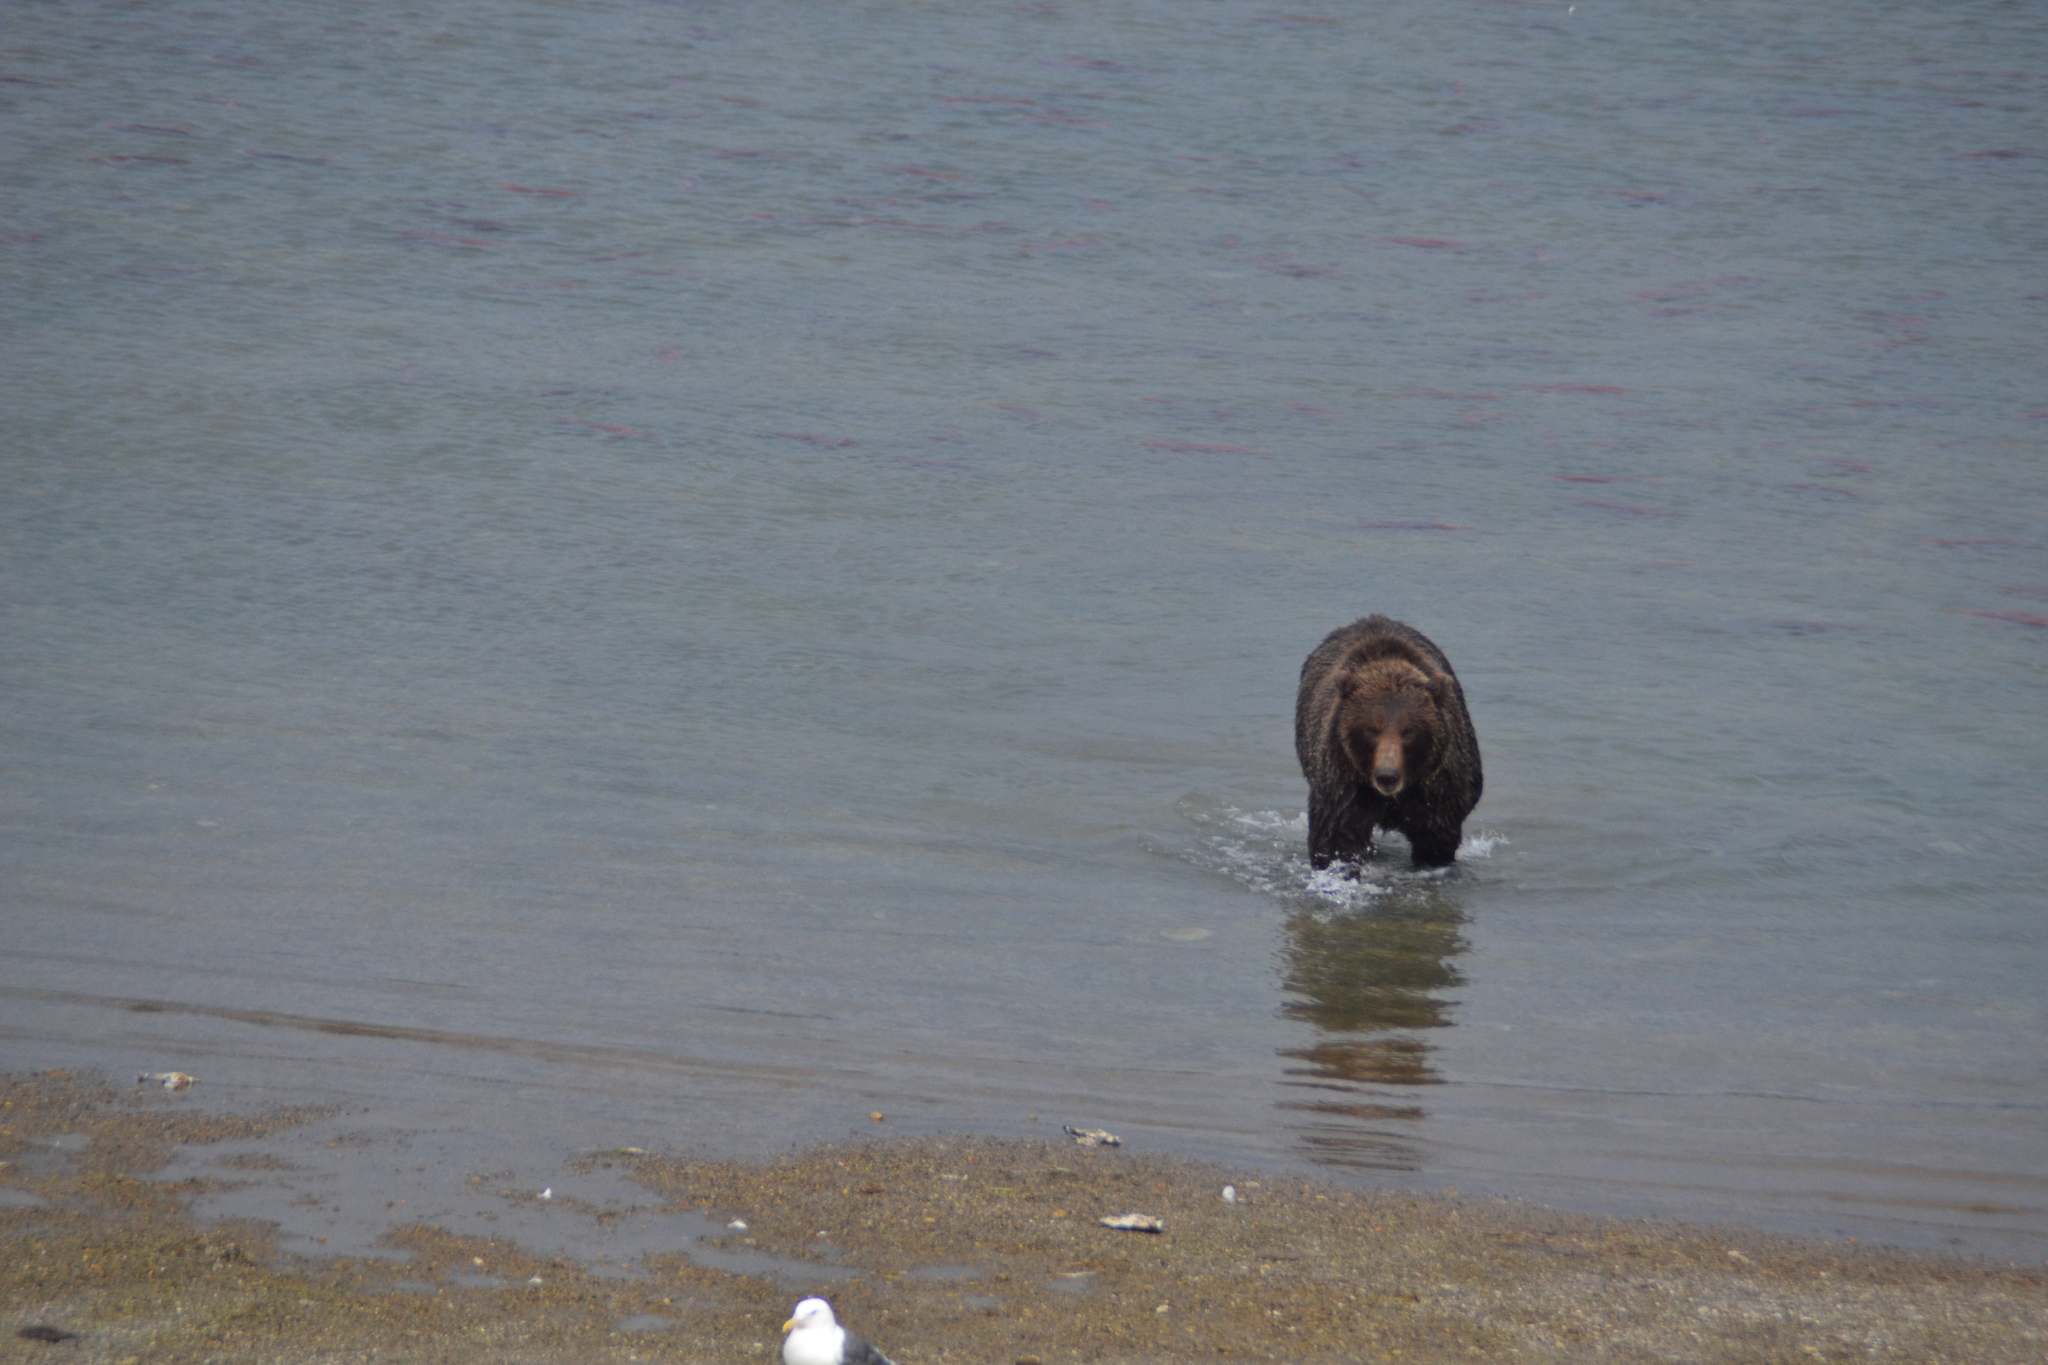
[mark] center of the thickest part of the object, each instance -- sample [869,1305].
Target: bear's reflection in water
[1369,980]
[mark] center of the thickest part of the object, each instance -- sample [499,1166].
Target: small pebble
[1230,1194]
[736,1226]
[548,1193]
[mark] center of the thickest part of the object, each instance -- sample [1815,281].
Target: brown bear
[1385,741]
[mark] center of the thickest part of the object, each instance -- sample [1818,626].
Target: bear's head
[1390,721]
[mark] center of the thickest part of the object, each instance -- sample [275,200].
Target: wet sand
[948,1249]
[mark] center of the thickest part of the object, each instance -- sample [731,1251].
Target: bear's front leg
[1344,832]
[1435,848]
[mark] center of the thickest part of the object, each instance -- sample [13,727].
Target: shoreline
[943,1249]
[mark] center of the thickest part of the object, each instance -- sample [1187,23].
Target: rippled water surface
[684,574]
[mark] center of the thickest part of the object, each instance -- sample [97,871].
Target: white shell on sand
[172,1080]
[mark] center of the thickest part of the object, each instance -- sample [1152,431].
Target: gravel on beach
[947,1249]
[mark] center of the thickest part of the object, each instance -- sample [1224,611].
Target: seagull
[816,1338]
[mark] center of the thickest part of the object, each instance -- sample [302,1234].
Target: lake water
[684,574]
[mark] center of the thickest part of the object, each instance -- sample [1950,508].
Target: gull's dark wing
[859,1352]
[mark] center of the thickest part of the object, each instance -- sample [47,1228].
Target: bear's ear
[1439,687]
[1346,686]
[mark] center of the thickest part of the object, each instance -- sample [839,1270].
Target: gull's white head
[811,1313]
[815,1336]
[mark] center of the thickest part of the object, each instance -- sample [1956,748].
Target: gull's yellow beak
[789,1326]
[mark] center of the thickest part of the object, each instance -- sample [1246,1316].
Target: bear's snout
[1388,772]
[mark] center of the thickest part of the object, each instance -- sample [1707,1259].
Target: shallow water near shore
[681,577]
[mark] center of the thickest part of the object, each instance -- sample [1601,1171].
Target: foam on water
[1266,851]
[1480,845]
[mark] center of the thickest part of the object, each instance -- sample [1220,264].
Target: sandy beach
[946,1249]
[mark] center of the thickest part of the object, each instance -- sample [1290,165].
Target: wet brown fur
[1385,742]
